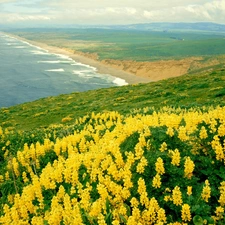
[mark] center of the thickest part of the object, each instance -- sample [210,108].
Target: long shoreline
[101,68]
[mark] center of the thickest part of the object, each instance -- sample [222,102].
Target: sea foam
[36,52]
[54,62]
[20,47]
[55,70]
[120,82]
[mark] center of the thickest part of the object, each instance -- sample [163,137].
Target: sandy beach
[101,67]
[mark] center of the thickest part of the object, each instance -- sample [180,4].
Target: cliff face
[157,70]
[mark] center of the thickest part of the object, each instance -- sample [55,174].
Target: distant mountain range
[204,26]
[157,26]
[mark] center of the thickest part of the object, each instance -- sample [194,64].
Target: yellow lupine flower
[159,166]
[206,192]
[24,175]
[1,179]
[101,220]
[222,194]
[218,148]
[203,133]
[221,130]
[167,198]
[134,202]
[7,175]
[156,182]
[188,167]
[183,133]
[175,157]
[163,147]
[170,131]
[142,164]
[189,190]
[161,216]
[219,212]
[186,213]
[177,196]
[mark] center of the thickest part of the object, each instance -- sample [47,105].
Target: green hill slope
[139,154]
[203,89]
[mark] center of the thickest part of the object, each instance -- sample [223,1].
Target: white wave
[64,56]
[35,52]
[34,46]
[27,43]
[20,47]
[86,74]
[55,70]
[54,62]
[84,65]
[120,82]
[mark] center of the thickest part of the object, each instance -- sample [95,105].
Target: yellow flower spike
[161,216]
[134,202]
[141,165]
[159,166]
[189,190]
[136,214]
[222,194]
[7,175]
[170,131]
[221,130]
[37,220]
[219,213]
[24,176]
[163,147]
[175,155]
[177,196]
[102,191]
[203,133]
[188,167]
[167,198]
[15,166]
[101,220]
[183,133]
[218,148]
[186,213]
[1,131]
[206,192]
[156,182]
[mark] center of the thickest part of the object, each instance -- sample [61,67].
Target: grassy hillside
[139,154]
[203,89]
[144,154]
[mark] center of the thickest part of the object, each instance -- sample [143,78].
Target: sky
[33,13]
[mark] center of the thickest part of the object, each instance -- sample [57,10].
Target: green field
[131,44]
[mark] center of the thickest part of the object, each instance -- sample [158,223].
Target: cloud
[17,18]
[114,12]
[4,1]
[213,11]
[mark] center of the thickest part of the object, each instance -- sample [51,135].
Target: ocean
[28,73]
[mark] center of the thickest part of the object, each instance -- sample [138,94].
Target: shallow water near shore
[28,72]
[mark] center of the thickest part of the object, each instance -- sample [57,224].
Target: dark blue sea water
[28,73]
